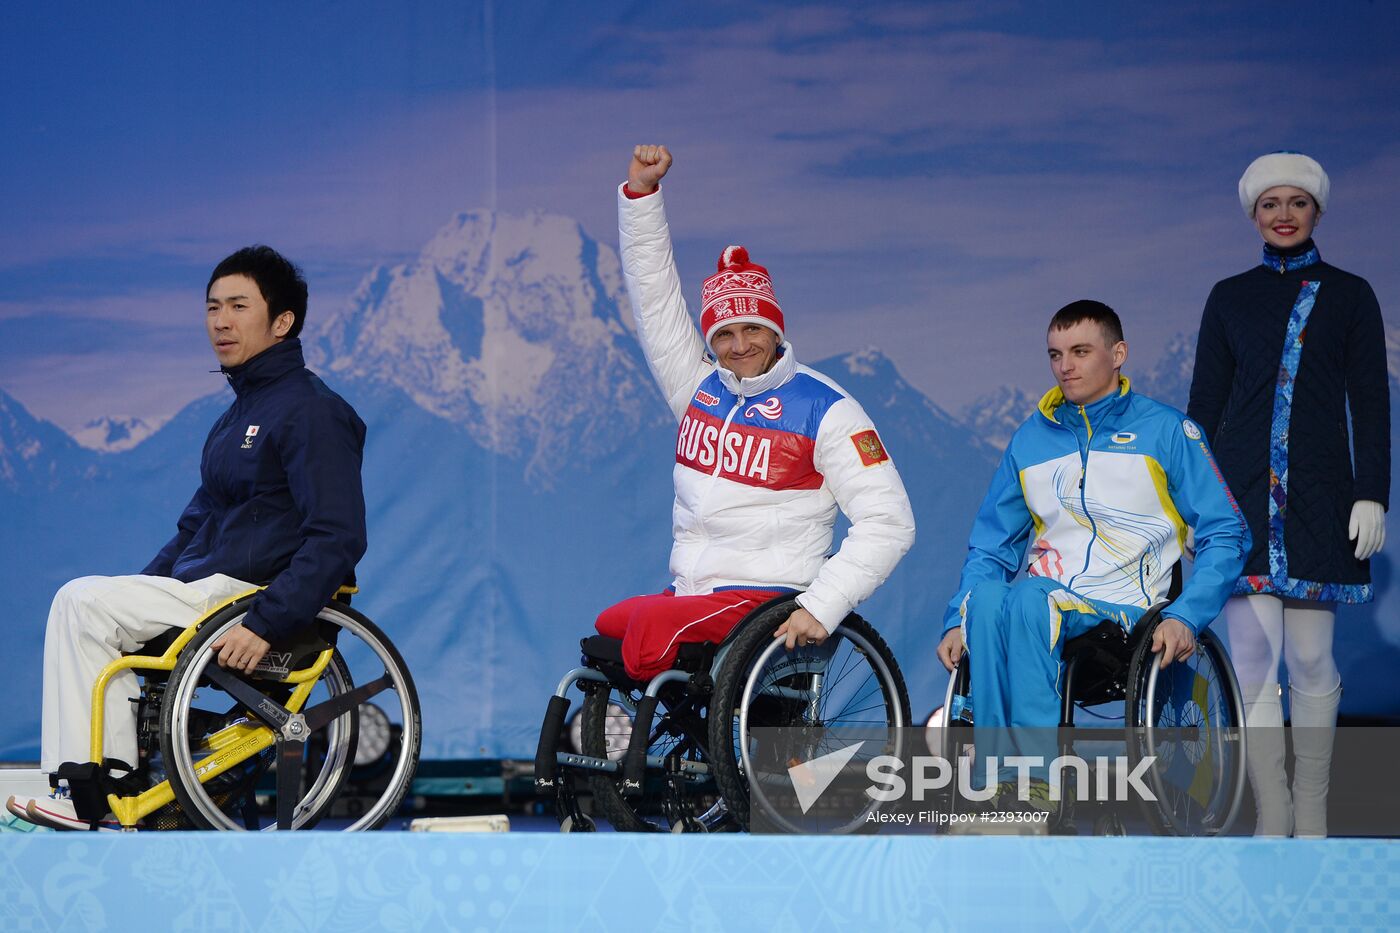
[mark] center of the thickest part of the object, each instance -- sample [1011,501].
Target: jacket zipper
[1083,499]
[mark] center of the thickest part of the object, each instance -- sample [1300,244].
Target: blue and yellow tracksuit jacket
[1104,495]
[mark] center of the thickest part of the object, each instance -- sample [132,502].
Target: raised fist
[649,165]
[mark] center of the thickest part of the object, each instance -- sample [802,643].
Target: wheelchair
[691,750]
[212,742]
[1189,718]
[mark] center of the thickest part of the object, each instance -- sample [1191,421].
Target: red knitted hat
[740,292]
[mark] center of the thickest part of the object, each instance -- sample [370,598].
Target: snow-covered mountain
[1169,379]
[994,417]
[36,455]
[511,327]
[115,433]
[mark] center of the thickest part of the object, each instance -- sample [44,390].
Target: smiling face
[237,318]
[1084,363]
[745,349]
[1285,216]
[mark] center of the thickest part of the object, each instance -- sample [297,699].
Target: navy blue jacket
[1284,350]
[280,497]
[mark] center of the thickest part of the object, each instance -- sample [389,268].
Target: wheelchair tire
[741,678]
[603,736]
[1163,732]
[326,778]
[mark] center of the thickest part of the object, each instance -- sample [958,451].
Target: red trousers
[653,628]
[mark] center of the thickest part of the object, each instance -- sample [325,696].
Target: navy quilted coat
[1283,350]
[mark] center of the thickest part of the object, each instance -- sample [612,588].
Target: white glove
[1367,527]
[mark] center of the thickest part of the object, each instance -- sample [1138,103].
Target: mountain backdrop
[517,471]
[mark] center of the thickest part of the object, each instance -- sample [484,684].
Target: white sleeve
[672,344]
[867,487]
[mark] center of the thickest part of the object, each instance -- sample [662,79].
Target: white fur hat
[1283,168]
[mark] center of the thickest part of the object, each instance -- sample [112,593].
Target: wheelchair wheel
[1189,717]
[679,730]
[201,722]
[820,696]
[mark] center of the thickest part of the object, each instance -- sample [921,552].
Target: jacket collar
[1300,257]
[268,366]
[783,370]
[1051,401]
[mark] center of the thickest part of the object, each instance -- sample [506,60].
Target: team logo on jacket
[1123,437]
[1190,428]
[869,447]
[248,436]
[705,398]
[750,454]
[772,409]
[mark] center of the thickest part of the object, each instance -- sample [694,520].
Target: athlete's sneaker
[56,811]
[16,806]
[15,819]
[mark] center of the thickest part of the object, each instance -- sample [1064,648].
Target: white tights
[1262,629]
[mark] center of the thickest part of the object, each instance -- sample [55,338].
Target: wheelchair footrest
[89,783]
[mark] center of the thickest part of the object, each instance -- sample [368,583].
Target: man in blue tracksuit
[1102,484]
[279,503]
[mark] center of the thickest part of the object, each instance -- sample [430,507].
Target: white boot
[1264,756]
[1314,720]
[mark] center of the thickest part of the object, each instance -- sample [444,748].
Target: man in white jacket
[766,452]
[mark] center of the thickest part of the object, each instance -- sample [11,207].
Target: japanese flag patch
[869,447]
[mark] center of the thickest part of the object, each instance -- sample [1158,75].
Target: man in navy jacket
[279,503]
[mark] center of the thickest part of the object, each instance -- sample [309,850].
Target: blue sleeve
[997,545]
[321,451]
[1222,537]
[191,520]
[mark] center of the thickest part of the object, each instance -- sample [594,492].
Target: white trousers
[92,622]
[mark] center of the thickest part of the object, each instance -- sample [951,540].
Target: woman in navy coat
[1284,350]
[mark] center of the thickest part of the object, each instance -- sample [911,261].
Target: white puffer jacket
[762,464]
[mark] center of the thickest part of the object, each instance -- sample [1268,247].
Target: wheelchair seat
[1096,664]
[692,657]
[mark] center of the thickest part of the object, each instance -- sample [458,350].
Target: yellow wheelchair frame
[228,747]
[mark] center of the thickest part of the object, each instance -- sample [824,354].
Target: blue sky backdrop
[931,178]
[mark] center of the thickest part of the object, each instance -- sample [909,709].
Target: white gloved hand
[1367,527]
